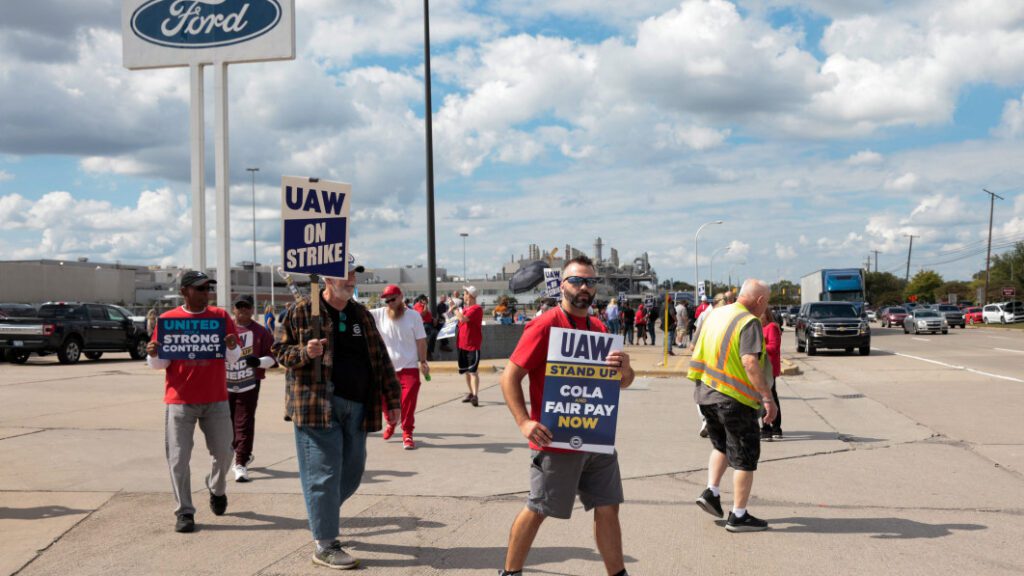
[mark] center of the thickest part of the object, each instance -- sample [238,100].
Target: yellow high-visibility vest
[716,358]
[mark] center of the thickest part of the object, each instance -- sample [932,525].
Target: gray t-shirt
[751,340]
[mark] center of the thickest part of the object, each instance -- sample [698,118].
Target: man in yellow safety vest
[728,365]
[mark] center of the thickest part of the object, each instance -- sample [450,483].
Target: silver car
[925,320]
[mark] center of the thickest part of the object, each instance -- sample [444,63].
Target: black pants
[627,330]
[431,339]
[777,424]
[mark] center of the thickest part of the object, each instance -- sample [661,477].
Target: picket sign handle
[314,301]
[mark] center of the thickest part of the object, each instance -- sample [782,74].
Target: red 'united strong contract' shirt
[196,381]
[531,354]
[471,334]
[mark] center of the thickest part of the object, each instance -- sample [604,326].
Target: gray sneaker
[334,557]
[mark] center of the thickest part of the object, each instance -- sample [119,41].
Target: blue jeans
[613,326]
[331,465]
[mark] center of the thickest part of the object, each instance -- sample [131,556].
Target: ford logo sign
[204,23]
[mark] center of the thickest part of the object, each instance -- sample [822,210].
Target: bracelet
[766,400]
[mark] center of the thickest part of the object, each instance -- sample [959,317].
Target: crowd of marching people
[351,371]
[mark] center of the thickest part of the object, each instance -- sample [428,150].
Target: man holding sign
[558,475]
[189,345]
[336,386]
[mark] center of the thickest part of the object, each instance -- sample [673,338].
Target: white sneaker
[241,474]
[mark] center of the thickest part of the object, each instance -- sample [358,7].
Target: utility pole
[909,251]
[876,260]
[988,254]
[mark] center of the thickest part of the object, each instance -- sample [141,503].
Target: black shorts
[469,361]
[733,430]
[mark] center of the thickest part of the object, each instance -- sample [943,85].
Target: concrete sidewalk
[856,487]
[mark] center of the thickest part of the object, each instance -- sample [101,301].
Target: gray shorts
[556,479]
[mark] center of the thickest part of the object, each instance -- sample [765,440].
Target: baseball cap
[391,290]
[245,300]
[703,298]
[353,266]
[471,290]
[195,278]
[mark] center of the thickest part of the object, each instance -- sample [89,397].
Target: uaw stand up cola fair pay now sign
[315,214]
[581,392]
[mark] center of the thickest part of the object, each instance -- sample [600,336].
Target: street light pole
[464,235]
[711,266]
[696,267]
[988,254]
[253,171]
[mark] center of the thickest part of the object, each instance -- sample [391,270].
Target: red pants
[409,378]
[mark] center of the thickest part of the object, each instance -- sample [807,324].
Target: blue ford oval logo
[204,23]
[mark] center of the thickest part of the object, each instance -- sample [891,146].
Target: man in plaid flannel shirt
[332,414]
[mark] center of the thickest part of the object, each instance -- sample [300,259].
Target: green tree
[1006,271]
[959,287]
[923,286]
[883,289]
[785,293]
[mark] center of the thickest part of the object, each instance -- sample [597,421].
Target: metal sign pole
[220,86]
[198,148]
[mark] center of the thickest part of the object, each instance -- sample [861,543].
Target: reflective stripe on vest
[716,361]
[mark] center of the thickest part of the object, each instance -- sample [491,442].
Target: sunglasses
[342,326]
[390,300]
[206,288]
[581,281]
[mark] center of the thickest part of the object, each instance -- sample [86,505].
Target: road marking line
[921,339]
[999,337]
[1008,350]
[953,366]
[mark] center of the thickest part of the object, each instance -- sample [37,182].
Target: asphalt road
[995,351]
[906,461]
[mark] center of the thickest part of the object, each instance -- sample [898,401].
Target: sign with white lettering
[191,338]
[552,283]
[315,226]
[165,33]
[581,392]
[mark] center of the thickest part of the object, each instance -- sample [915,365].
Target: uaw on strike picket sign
[315,226]
[581,392]
[191,338]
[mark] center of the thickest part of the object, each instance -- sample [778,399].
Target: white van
[1003,312]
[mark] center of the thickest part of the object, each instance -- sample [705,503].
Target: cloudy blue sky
[819,130]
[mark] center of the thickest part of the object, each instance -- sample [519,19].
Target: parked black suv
[831,325]
[71,329]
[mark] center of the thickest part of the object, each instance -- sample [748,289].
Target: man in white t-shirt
[406,341]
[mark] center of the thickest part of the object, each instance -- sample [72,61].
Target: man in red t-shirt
[196,391]
[471,319]
[556,476]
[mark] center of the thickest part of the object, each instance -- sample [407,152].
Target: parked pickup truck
[72,329]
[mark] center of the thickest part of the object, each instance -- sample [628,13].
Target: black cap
[195,278]
[245,299]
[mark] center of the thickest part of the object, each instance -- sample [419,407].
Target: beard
[581,301]
[396,314]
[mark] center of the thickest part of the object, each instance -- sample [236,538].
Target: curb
[789,368]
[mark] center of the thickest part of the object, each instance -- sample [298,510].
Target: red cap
[391,290]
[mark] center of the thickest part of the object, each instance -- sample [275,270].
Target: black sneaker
[766,434]
[507,573]
[185,523]
[475,401]
[777,433]
[219,504]
[746,524]
[710,503]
